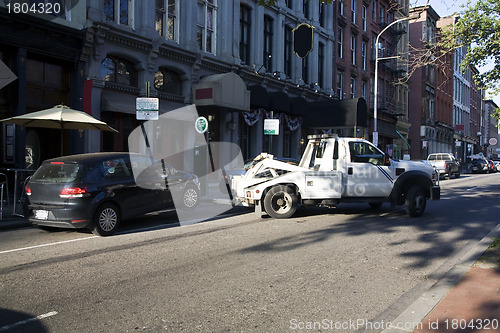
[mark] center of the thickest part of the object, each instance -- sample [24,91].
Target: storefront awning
[341,113]
[279,102]
[298,106]
[126,103]
[224,90]
[258,97]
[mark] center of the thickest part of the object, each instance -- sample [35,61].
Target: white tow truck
[334,170]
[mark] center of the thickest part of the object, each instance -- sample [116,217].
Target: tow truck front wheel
[415,201]
[280,202]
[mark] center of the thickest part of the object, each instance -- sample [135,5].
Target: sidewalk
[10,221]
[465,299]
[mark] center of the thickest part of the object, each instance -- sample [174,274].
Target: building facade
[44,52]
[235,61]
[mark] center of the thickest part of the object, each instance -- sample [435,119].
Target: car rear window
[57,173]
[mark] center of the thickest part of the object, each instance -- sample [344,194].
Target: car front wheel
[415,201]
[106,220]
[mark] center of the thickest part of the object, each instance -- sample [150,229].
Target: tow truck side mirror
[387,160]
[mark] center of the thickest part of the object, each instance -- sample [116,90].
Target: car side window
[115,169]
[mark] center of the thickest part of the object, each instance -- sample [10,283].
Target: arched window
[118,70]
[168,81]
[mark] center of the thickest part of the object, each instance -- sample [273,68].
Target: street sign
[271,126]
[147,108]
[201,125]
[493,141]
[303,39]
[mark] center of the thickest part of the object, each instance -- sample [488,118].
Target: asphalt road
[343,269]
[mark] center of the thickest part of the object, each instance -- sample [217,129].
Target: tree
[478,28]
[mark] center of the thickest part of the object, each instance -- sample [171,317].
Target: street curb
[417,311]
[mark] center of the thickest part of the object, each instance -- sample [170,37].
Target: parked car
[479,165]
[497,165]
[445,163]
[97,191]
[492,166]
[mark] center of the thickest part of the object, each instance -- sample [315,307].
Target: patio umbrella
[60,117]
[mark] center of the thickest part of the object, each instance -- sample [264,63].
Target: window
[119,11]
[245,31]
[207,10]
[268,43]
[353,87]
[321,65]
[166,19]
[118,70]
[353,50]
[341,7]
[340,84]
[354,4]
[305,9]
[340,41]
[168,81]
[288,51]
[322,13]
[374,10]
[289,4]
[305,70]
[382,15]
[364,13]
[363,89]
[363,55]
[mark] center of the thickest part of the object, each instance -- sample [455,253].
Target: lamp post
[375,89]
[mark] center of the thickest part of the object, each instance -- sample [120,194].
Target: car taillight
[27,190]
[73,192]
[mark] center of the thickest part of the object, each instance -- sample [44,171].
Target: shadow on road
[441,216]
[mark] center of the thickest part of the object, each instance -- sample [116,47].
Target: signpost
[147,108]
[271,126]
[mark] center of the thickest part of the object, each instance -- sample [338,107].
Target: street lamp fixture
[375,89]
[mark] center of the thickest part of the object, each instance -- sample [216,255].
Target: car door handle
[349,170]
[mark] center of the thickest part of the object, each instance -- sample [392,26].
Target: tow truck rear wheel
[280,202]
[415,201]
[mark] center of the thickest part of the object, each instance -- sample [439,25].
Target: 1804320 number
[471,324]
[34,8]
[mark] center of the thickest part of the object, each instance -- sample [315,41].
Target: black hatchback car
[96,191]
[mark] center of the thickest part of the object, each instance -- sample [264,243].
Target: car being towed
[96,191]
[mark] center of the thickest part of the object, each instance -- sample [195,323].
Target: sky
[446,8]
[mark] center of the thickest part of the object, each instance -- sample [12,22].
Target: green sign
[201,125]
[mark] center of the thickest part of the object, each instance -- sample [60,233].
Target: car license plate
[41,214]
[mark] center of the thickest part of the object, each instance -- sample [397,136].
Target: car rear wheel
[106,220]
[280,202]
[415,201]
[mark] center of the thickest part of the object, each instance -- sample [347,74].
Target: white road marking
[27,321]
[48,244]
